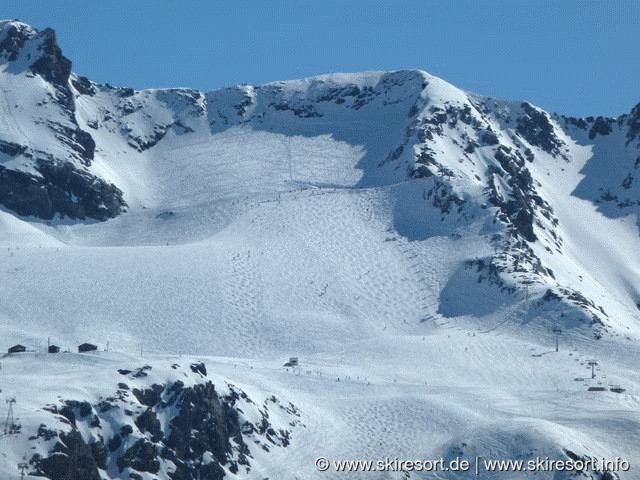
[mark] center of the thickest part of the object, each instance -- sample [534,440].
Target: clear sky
[573,57]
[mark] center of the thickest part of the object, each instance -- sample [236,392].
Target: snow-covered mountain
[414,244]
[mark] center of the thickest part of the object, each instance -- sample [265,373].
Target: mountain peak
[13,35]
[28,48]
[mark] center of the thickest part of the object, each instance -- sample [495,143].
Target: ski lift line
[288,149]
[354,188]
[10,421]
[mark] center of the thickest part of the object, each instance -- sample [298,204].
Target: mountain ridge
[410,125]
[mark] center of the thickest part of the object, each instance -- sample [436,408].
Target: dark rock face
[206,436]
[301,111]
[46,433]
[518,210]
[489,138]
[215,423]
[148,423]
[150,396]
[62,188]
[634,124]
[142,144]
[80,142]
[142,456]
[115,442]
[443,198]
[339,95]
[12,149]
[200,368]
[83,86]
[432,126]
[601,127]
[71,459]
[534,126]
[12,43]
[52,65]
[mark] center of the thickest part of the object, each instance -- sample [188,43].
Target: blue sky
[573,57]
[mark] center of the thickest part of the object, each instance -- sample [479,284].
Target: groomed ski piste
[254,234]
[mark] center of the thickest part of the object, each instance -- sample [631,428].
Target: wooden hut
[87,347]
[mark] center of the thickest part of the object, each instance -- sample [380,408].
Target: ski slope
[250,278]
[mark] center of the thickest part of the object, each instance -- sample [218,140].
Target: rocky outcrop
[70,459]
[51,65]
[188,432]
[61,188]
[633,122]
[12,149]
[536,128]
[13,40]
[519,208]
[601,126]
[206,423]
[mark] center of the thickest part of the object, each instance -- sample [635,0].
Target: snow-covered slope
[415,245]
